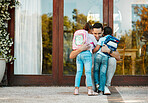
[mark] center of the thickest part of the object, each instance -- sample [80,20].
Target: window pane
[47,15]
[33,37]
[130,26]
[76,14]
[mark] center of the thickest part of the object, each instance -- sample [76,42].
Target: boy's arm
[114,54]
[96,48]
[98,45]
[73,54]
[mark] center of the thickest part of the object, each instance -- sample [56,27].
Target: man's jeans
[84,58]
[100,69]
[111,70]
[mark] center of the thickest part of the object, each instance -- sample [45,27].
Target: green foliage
[5,41]
[80,19]
[47,43]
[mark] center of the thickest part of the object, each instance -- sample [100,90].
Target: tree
[78,22]
[47,43]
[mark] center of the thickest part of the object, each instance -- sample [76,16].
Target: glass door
[33,37]
[75,17]
[76,14]
[130,26]
[31,26]
[128,18]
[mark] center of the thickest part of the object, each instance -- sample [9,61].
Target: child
[85,58]
[101,62]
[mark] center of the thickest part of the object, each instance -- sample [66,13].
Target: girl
[85,58]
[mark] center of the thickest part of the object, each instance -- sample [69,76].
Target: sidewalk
[65,95]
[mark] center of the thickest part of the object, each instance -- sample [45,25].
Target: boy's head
[97,30]
[107,31]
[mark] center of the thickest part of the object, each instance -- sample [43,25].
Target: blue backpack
[112,43]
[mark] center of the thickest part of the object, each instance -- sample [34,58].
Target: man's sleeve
[94,40]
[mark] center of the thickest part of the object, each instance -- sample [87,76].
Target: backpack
[111,42]
[80,38]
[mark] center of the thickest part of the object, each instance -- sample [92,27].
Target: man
[98,32]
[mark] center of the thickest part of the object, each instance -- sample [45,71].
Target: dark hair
[107,31]
[98,25]
[87,27]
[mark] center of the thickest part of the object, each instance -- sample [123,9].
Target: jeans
[84,58]
[100,69]
[92,72]
[111,70]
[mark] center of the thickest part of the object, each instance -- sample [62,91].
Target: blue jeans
[100,69]
[84,58]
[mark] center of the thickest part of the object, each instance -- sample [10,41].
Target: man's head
[97,30]
[107,31]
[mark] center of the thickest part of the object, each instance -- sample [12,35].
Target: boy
[101,61]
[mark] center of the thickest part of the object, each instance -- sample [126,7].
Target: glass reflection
[130,25]
[47,15]
[76,14]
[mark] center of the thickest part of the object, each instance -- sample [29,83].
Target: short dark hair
[107,31]
[98,25]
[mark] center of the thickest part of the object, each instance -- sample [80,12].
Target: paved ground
[65,95]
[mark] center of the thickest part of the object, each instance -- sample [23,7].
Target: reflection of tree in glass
[69,65]
[139,40]
[47,43]
[69,28]
[80,19]
[141,25]
[78,22]
[142,29]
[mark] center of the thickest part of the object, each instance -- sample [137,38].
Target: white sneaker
[92,93]
[76,92]
[107,91]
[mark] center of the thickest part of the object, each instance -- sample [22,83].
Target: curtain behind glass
[28,38]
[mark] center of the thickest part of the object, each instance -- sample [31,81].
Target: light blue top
[101,42]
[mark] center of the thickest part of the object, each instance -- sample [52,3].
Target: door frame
[57,77]
[70,80]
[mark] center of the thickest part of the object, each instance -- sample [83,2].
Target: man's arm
[73,54]
[114,54]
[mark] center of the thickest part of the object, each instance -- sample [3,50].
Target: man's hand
[114,54]
[105,49]
[84,47]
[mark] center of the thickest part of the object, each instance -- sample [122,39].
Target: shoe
[100,92]
[92,93]
[107,91]
[76,92]
[96,89]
